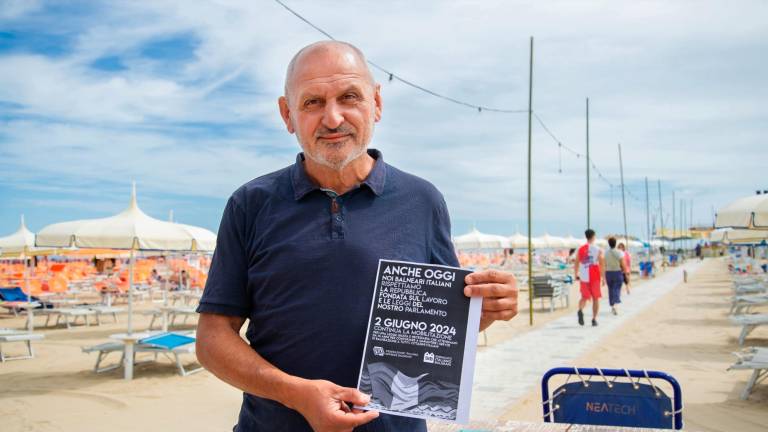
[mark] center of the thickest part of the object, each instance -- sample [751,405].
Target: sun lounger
[105,310]
[756,360]
[104,350]
[13,299]
[170,344]
[748,323]
[185,311]
[12,294]
[751,287]
[70,315]
[742,304]
[7,336]
[167,344]
[545,287]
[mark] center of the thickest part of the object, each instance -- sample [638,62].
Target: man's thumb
[353,396]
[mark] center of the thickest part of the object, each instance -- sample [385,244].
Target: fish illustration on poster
[421,342]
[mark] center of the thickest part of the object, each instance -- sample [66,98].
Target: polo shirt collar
[302,184]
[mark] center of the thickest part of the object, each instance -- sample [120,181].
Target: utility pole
[589,221]
[647,212]
[623,199]
[690,215]
[674,221]
[661,210]
[648,221]
[682,223]
[530,219]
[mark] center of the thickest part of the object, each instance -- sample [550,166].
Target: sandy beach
[685,333]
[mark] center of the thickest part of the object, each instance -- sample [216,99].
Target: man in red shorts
[590,271]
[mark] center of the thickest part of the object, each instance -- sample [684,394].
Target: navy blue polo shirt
[300,263]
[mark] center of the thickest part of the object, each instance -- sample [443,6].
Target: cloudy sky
[180,96]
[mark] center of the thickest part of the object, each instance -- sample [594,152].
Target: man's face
[331,106]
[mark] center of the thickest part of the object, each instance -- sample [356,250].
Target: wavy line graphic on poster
[418,395]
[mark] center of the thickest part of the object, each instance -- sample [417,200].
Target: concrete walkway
[509,370]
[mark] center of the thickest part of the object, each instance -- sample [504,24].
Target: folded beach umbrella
[478,240]
[746,213]
[131,229]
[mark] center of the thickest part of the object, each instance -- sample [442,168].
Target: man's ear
[377,102]
[285,113]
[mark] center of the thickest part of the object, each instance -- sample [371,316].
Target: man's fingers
[353,419]
[490,290]
[499,304]
[489,276]
[353,396]
[504,315]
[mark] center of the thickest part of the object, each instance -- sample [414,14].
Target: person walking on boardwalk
[627,265]
[589,270]
[615,270]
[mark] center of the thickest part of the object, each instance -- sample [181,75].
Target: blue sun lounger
[167,344]
[630,398]
[13,294]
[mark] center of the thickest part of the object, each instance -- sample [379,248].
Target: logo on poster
[378,351]
[429,357]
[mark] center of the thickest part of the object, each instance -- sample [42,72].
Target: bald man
[297,254]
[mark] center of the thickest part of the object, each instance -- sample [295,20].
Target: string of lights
[480,108]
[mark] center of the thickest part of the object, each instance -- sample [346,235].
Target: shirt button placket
[337,218]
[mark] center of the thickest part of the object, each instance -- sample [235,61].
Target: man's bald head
[348,52]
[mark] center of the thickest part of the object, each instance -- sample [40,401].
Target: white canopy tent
[478,240]
[130,229]
[745,213]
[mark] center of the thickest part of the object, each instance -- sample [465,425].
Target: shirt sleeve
[442,251]
[226,291]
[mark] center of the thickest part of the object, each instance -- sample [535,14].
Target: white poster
[419,356]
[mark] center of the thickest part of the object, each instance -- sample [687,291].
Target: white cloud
[12,9]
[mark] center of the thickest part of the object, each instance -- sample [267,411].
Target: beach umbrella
[745,213]
[550,242]
[573,242]
[518,240]
[21,244]
[478,240]
[21,241]
[131,229]
[739,236]
[601,243]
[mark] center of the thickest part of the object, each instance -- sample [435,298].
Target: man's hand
[499,292]
[324,405]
